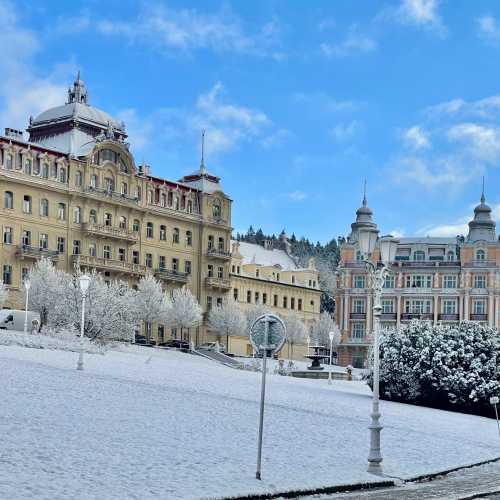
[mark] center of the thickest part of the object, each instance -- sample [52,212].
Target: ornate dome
[482,227]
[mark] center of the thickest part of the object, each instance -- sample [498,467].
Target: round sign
[276,333]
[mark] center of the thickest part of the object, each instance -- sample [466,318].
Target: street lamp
[332,335]
[377,271]
[84,286]
[27,285]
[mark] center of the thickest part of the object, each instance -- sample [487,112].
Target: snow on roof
[428,240]
[256,254]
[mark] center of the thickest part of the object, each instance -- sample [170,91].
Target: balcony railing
[480,263]
[356,315]
[110,264]
[26,251]
[479,317]
[423,316]
[388,316]
[171,275]
[218,253]
[110,232]
[106,193]
[357,341]
[448,317]
[218,283]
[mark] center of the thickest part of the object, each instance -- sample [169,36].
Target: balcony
[388,316]
[422,316]
[171,275]
[448,317]
[105,193]
[217,283]
[357,341]
[479,317]
[101,263]
[357,315]
[217,253]
[480,263]
[417,263]
[104,231]
[29,252]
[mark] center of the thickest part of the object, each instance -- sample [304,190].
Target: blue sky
[301,101]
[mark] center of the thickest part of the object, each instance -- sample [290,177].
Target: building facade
[441,280]
[270,277]
[73,193]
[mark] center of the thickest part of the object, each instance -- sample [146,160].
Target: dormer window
[62,175]
[216,209]
[419,255]
[450,256]
[480,255]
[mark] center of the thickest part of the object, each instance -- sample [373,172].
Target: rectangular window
[235,294]
[285,302]
[389,281]
[449,281]
[257,297]
[219,301]
[220,272]
[479,281]
[209,302]
[44,241]
[61,244]
[76,247]
[299,304]
[387,306]
[163,233]
[358,306]
[359,281]
[449,306]
[292,302]
[479,307]
[61,211]
[264,298]
[175,264]
[419,281]
[122,255]
[106,252]
[249,297]
[187,267]
[418,306]
[7,274]
[92,250]
[162,262]
[358,330]
[210,270]
[26,238]
[275,301]
[27,204]
[148,261]
[24,274]
[7,235]
[135,257]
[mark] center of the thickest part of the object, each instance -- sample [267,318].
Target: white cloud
[343,132]
[297,195]
[275,139]
[416,137]
[486,108]
[22,91]
[354,43]
[321,102]
[170,29]
[397,233]
[483,142]
[489,29]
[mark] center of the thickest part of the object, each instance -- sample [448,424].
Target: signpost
[494,401]
[267,335]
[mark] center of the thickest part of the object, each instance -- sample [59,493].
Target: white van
[12,319]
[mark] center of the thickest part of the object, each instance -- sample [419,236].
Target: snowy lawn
[181,426]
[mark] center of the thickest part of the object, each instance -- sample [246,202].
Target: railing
[218,253]
[110,231]
[479,317]
[218,283]
[357,340]
[479,291]
[448,317]
[355,315]
[417,263]
[111,194]
[480,263]
[355,265]
[388,316]
[36,253]
[171,275]
[110,264]
[409,316]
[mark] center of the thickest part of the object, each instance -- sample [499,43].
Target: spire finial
[78,76]
[483,199]
[202,163]
[364,194]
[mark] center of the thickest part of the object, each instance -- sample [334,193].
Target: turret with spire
[79,92]
[364,218]
[482,227]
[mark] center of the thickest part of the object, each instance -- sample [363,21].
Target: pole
[79,366]
[262,397]
[498,423]
[26,311]
[375,455]
[330,367]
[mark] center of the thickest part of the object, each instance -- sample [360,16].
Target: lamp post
[332,335]
[84,286]
[377,272]
[27,285]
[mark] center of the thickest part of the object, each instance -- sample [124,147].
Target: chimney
[14,134]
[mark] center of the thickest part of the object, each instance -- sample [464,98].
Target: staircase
[219,358]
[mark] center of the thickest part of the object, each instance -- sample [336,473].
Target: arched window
[53,171]
[108,219]
[480,254]
[109,184]
[189,206]
[93,216]
[419,255]
[124,188]
[28,163]
[163,200]
[61,211]
[163,232]
[189,238]
[221,244]
[45,170]
[93,181]
[123,222]
[62,175]
[359,256]
[150,197]
[450,256]
[77,215]
[44,207]
[8,161]
[170,198]
[8,200]
[175,235]
[216,209]
[108,155]
[149,230]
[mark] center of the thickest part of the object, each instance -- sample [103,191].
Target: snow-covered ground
[181,426]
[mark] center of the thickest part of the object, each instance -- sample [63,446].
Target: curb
[348,488]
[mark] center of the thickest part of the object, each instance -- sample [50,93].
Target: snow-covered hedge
[62,340]
[444,366]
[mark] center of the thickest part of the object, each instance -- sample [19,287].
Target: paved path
[476,482]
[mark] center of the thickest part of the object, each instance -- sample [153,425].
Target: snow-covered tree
[151,303]
[446,366]
[295,331]
[322,328]
[110,309]
[184,310]
[227,319]
[253,313]
[4,293]
[49,288]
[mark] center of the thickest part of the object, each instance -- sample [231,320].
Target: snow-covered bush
[4,292]
[295,331]
[322,328]
[445,366]
[227,319]
[184,310]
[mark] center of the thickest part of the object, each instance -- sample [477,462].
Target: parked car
[12,319]
[212,346]
[176,343]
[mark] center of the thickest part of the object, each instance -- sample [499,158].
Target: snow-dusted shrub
[227,319]
[63,340]
[184,310]
[295,331]
[445,366]
[322,328]
[4,292]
